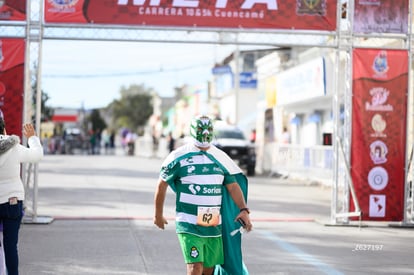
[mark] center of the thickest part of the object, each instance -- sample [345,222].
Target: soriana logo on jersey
[267,14]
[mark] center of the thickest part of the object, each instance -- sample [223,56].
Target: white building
[296,89]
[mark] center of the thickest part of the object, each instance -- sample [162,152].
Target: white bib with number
[208,216]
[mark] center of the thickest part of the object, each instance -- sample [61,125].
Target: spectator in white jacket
[12,154]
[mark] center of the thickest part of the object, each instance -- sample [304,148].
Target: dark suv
[231,140]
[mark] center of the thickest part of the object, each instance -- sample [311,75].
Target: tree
[46,112]
[96,120]
[134,107]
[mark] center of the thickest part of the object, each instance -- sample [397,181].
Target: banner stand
[350,185]
[31,216]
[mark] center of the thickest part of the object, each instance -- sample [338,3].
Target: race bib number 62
[208,216]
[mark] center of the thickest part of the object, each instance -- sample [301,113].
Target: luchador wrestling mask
[201,130]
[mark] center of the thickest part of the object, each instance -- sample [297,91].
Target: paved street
[103,205]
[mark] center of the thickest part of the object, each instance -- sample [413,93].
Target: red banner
[12,83]
[248,14]
[380,86]
[13,10]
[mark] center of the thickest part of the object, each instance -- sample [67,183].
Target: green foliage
[133,109]
[46,111]
[96,120]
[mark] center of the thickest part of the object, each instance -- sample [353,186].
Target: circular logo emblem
[378,152]
[378,123]
[63,4]
[378,178]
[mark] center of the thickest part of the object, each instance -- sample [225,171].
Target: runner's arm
[159,200]
[238,198]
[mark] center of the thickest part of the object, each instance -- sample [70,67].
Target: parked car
[74,139]
[231,140]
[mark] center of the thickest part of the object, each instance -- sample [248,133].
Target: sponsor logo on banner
[63,5]
[377,205]
[379,97]
[317,7]
[378,152]
[379,125]
[378,178]
[380,65]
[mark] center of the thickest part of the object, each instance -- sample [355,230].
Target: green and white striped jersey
[198,181]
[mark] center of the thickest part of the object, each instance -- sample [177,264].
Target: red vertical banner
[13,10]
[380,86]
[12,83]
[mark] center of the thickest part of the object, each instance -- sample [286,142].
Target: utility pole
[237,84]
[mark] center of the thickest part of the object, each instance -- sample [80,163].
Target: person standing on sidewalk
[12,154]
[211,193]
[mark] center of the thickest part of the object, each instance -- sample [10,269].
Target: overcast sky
[91,73]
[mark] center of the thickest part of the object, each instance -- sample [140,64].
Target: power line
[121,74]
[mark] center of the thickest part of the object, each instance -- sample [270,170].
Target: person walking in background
[130,141]
[12,154]
[105,139]
[211,195]
[92,141]
[171,142]
[112,142]
[253,136]
[285,136]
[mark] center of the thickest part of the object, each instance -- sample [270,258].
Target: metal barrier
[313,163]
[297,161]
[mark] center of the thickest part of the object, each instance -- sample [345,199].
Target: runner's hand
[160,222]
[246,219]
